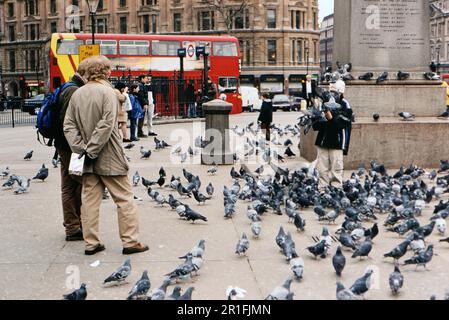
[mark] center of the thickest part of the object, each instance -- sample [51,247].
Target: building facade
[439,34]
[279,39]
[326,41]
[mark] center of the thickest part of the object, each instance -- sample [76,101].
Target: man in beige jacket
[90,127]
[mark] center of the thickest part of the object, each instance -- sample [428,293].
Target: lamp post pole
[92,21]
[307,60]
[438,58]
[93,5]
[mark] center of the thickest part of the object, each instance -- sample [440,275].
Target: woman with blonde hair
[121,89]
[91,129]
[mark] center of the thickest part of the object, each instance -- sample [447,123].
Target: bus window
[227,85]
[225,49]
[134,47]
[68,46]
[165,48]
[107,47]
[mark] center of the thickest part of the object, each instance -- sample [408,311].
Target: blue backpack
[48,121]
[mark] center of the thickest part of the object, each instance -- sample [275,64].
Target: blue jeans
[192,110]
[133,127]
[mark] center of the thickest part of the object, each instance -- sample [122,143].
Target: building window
[177,21]
[31,60]
[32,31]
[122,3]
[245,52]
[100,5]
[75,3]
[53,27]
[241,19]
[206,20]
[12,33]
[271,18]
[53,7]
[149,2]
[296,21]
[146,23]
[296,51]
[32,7]
[271,51]
[10,9]
[315,20]
[12,61]
[153,24]
[123,26]
[102,26]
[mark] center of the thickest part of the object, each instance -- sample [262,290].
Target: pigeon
[432,76]
[24,185]
[199,197]
[213,170]
[318,249]
[183,157]
[187,294]
[120,274]
[136,179]
[259,170]
[55,162]
[232,293]
[422,258]
[280,293]
[242,245]
[289,153]
[146,155]
[297,267]
[210,189]
[192,215]
[299,222]
[256,229]
[441,226]
[364,249]
[79,294]
[339,261]
[183,271]
[366,76]
[346,240]
[383,77]
[402,75]
[29,155]
[445,240]
[196,251]
[177,150]
[8,184]
[362,285]
[376,117]
[42,174]
[396,280]
[5,173]
[345,294]
[129,146]
[175,294]
[407,116]
[159,293]
[140,289]
[444,166]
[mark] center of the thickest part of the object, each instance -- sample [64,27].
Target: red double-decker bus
[133,55]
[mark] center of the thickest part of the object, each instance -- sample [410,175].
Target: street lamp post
[93,5]
[438,48]
[307,59]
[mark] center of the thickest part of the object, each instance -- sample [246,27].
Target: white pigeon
[297,267]
[441,225]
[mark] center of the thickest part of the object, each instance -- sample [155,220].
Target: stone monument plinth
[377,36]
[217,149]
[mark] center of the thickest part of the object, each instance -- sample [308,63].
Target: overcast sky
[326,7]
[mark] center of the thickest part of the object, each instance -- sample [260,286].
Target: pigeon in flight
[79,294]
[119,275]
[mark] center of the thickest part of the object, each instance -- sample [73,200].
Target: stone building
[326,41]
[439,34]
[279,38]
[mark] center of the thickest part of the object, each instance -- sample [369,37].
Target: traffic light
[22,86]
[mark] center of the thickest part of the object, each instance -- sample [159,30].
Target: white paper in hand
[76,165]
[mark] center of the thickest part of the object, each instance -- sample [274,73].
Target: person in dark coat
[190,100]
[136,112]
[332,142]
[266,115]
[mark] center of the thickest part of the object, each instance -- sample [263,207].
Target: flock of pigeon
[369,195]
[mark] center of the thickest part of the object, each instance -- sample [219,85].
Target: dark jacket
[64,99]
[143,94]
[190,94]
[304,89]
[336,133]
[136,112]
[266,112]
[211,91]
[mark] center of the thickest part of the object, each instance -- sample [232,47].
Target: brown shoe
[97,249]
[138,248]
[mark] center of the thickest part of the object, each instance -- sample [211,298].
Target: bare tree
[229,10]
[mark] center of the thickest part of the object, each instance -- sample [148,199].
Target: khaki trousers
[120,189]
[330,168]
[70,195]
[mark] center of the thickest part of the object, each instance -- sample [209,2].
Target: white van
[250,98]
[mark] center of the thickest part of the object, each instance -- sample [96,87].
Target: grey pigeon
[406,116]
[280,293]
[345,294]
[297,267]
[175,294]
[242,245]
[120,275]
[29,155]
[42,174]
[339,261]
[256,229]
[364,249]
[24,185]
[140,289]
[183,271]
[362,285]
[159,293]
[210,189]
[5,173]
[399,251]
[79,294]
[146,155]
[136,179]
[396,280]
[196,251]
[187,294]
[422,258]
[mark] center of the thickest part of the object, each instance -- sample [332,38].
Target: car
[250,99]
[296,103]
[33,103]
[281,101]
